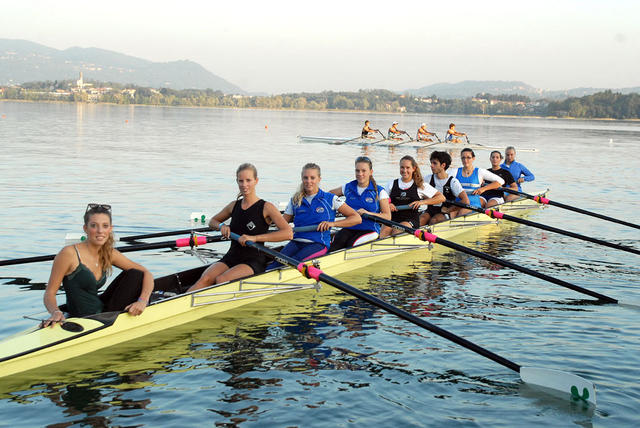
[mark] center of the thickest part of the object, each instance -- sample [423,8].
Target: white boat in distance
[359,141]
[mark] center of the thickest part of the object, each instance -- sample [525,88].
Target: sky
[294,46]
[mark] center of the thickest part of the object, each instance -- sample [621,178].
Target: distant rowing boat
[403,143]
[37,347]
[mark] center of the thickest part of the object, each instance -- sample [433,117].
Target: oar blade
[562,383]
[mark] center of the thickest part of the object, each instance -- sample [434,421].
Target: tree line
[601,105]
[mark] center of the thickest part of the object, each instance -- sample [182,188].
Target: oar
[383,137]
[309,228]
[469,142]
[407,134]
[542,200]
[161,234]
[439,140]
[183,242]
[563,382]
[499,215]
[429,237]
[337,143]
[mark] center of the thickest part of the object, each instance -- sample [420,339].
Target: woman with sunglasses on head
[311,206]
[473,179]
[410,189]
[365,196]
[83,268]
[250,218]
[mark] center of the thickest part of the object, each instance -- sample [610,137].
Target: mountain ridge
[24,61]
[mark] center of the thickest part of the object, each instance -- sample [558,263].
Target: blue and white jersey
[314,210]
[367,198]
[469,184]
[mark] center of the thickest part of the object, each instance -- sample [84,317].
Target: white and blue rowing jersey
[367,198]
[314,210]
[474,181]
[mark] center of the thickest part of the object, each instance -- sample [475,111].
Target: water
[327,359]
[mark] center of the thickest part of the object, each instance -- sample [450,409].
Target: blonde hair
[243,167]
[106,251]
[297,197]
[417,175]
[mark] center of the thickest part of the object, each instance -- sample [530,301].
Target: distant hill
[23,61]
[470,88]
[582,92]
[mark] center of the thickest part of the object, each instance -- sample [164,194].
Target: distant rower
[452,134]
[394,133]
[423,134]
[367,131]
[519,172]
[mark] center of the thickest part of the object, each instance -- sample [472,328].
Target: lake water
[304,360]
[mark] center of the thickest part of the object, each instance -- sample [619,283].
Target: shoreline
[508,116]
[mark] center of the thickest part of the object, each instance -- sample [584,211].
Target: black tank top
[247,222]
[446,189]
[364,133]
[404,197]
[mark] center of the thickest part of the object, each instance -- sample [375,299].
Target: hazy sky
[289,46]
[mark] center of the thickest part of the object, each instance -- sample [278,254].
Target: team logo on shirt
[403,194]
[320,210]
[251,225]
[369,200]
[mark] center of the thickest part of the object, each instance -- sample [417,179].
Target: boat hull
[405,143]
[39,347]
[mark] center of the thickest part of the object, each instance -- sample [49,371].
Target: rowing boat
[36,347]
[405,143]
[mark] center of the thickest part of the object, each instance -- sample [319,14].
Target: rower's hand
[244,238]
[415,205]
[392,207]
[136,308]
[363,211]
[225,230]
[478,191]
[324,226]
[521,180]
[56,317]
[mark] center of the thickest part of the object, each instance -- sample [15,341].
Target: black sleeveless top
[508,179]
[247,222]
[404,197]
[81,288]
[446,189]
[364,133]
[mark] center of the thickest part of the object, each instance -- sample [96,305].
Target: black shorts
[346,238]
[410,216]
[433,210]
[234,258]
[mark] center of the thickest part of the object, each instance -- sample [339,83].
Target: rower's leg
[238,271]
[424,219]
[209,276]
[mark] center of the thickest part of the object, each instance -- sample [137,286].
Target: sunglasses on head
[363,159]
[98,207]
